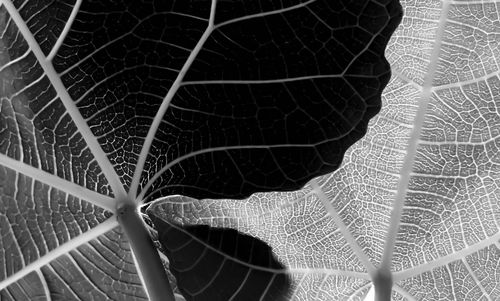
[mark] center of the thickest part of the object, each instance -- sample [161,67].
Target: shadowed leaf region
[221,263]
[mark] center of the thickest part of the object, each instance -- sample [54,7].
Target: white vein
[37,233]
[166,102]
[15,241]
[473,81]
[263,81]
[65,31]
[76,190]
[320,286]
[451,279]
[70,106]
[70,289]
[355,247]
[360,289]
[85,274]
[259,15]
[14,61]
[329,272]
[412,145]
[476,280]
[44,285]
[61,250]
[457,255]
[406,79]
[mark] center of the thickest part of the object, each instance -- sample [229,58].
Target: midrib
[61,184]
[413,142]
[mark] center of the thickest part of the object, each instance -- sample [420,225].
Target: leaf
[258,112]
[99,108]
[417,195]
[106,105]
[220,264]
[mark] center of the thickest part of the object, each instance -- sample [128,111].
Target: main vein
[68,103]
[413,144]
[454,256]
[76,190]
[166,102]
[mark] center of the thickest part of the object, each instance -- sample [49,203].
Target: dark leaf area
[118,63]
[232,9]
[273,99]
[275,96]
[220,264]
[46,19]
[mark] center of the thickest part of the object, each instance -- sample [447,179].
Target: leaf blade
[63,95]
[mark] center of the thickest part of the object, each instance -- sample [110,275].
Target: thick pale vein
[14,61]
[76,190]
[64,248]
[166,102]
[45,286]
[65,31]
[70,106]
[457,255]
[84,273]
[476,280]
[330,272]
[412,145]
[71,290]
[343,228]
[259,15]
[261,81]
[467,82]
